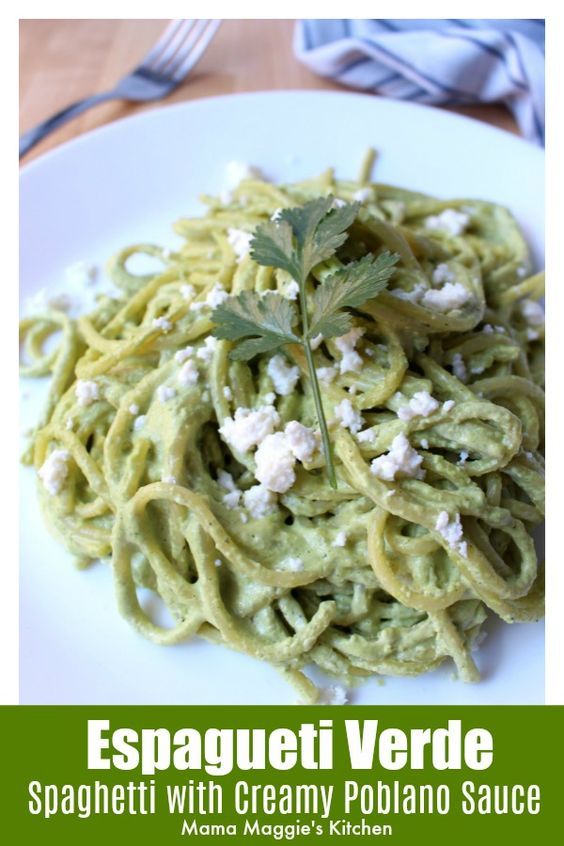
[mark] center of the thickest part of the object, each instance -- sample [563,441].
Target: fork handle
[30,138]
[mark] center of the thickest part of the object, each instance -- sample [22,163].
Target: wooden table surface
[62,61]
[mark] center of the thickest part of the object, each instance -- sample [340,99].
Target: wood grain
[62,61]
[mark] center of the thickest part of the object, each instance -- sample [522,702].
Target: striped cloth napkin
[435,61]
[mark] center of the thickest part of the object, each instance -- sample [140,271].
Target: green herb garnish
[297,242]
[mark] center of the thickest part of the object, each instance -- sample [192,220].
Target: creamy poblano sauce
[435,412]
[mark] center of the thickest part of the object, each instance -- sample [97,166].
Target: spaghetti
[394,571]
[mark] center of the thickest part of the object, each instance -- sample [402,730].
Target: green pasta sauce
[435,412]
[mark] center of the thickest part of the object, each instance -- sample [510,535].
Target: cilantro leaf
[254,346]
[330,235]
[305,219]
[303,237]
[272,246]
[267,320]
[300,239]
[348,288]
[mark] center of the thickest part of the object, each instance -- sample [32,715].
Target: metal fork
[174,55]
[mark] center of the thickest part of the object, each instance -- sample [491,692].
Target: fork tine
[183,46]
[182,41]
[163,42]
[182,32]
[185,62]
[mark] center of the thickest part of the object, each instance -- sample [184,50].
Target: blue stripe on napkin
[435,61]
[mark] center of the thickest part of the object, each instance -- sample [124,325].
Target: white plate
[128,182]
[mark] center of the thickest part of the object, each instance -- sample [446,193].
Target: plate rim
[401,105]
[134,122]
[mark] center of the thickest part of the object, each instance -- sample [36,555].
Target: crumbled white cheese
[162,323]
[169,480]
[236,172]
[291,563]
[206,352]
[476,369]
[463,458]
[165,393]
[401,458]
[188,374]
[292,290]
[522,271]
[340,539]
[198,306]
[448,405]
[276,215]
[302,440]
[326,374]
[412,296]
[442,273]
[227,393]
[275,463]
[283,375]
[54,471]
[362,195]
[316,342]
[424,443]
[338,203]
[449,220]
[260,501]
[269,398]
[240,241]
[350,361]
[334,695]
[352,389]
[488,329]
[181,355]
[78,295]
[422,404]
[134,409]
[532,334]
[350,418]
[248,428]
[244,517]
[458,367]
[86,392]
[216,296]
[451,530]
[217,562]
[232,498]
[452,295]
[81,273]
[139,422]
[225,479]
[60,302]
[366,436]
[532,312]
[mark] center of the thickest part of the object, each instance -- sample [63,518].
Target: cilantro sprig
[299,240]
